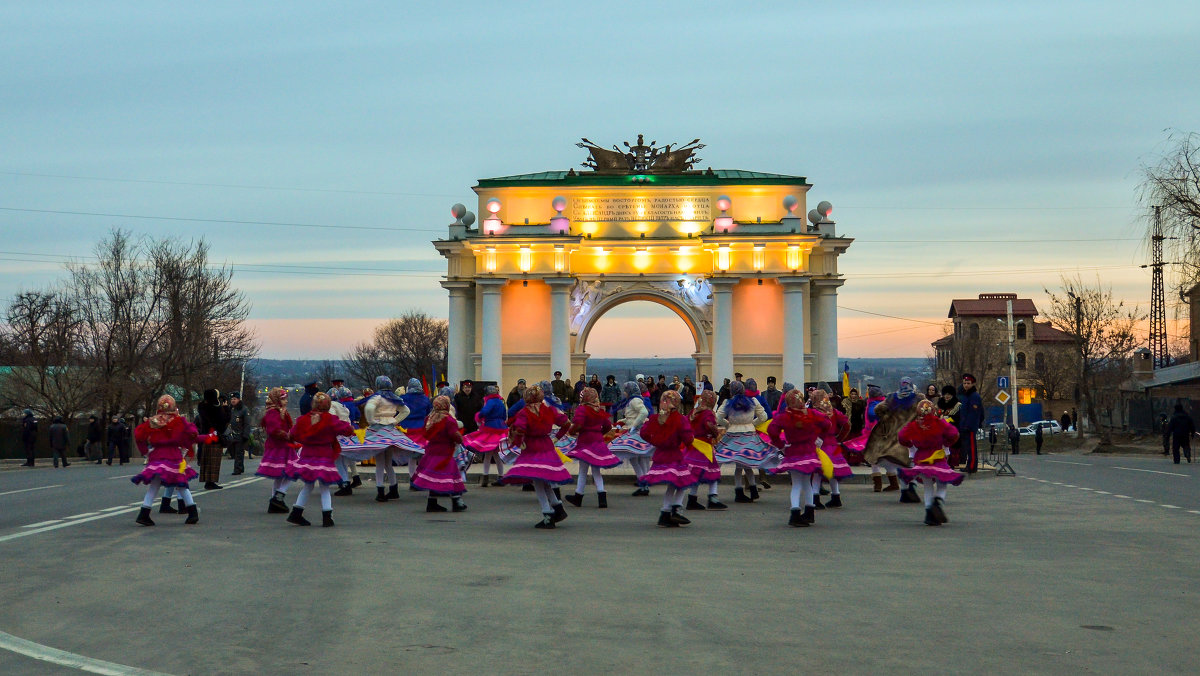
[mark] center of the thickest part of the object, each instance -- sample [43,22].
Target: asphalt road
[1029,577]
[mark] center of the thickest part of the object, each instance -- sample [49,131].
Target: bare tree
[1054,373]
[1104,338]
[41,333]
[1172,185]
[407,347]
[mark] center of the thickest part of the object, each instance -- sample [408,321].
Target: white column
[825,297]
[722,345]
[795,298]
[560,326]
[492,355]
[459,331]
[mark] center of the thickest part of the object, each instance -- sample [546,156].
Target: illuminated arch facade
[725,250]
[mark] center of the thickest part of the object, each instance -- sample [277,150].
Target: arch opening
[638,329]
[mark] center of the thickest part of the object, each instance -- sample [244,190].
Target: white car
[1048,427]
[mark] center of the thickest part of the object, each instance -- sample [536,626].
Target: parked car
[1048,426]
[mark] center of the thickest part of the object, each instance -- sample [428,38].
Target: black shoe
[575,499]
[665,520]
[693,503]
[930,519]
[601,500]
[527,488]
[457,505]
[355,482]
[679,518]
[938,512]
[762,483]
[557,494]
[909,495]
[797,519]
[753,493]
[277,506]
[66,464]
[98,462]
[381,494]
[193,513]
[739,495]
[182,508]
[108,462]
[237,472]
[546,522]
[394,492]
[809,515]
[715,503]
[212,486]
[431,505]
[344,491]
[297,517]
[143,518]
[166,508]
[641,492]
[835,501]
[824,491]
[327,519]
[817,502]
[30,464]
[560,514]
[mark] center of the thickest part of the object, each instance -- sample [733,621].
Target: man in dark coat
[116,430]
[310,390]
[240,426]
[855,408]
[94,436]
[515,394]
[970,419]
[1182,428]
[1014,439]
[29,436]
[1037,438]
[772,395]
[211,417]
[60,439]
[562,389]
[467,403]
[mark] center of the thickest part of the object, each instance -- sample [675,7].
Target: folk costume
[670,433]
[277,449]
[839,427]
[211,418]
[626,441]
[700,455]
[419,406]
[797,431]
[741,444]
[317,433]
[882,451]
[168,436]
[345,408]
[383,441]
[491,431]
[855,446]
[591,423]
[438,471]
[929,436]
[538,462]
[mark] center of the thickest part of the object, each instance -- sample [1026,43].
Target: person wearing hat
[317,435]
[562,389]
[515,394]
[883,449]
[310,389]
[970,419]
[771,396]
[94,436]
[467,402]
[239,431]
[611,393]
[211,417]
[29,437]
[1181,428]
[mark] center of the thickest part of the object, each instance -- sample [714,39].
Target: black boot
[546,522]
[693,503]
[824,491]
[930,519]
[665,520]
[182,508]
[909,494]
[457,504]
[355,482]
[715,503]
[809,515]
[394,492]
[557,493]
[575,499]
[739,495]
[344,491]
[560,514]
[642,491]
[753,492]
[193,514]
[327,519]
[166,508]
[431,505]
[938,512]
[797,519]
[817,502]
[602,500]
[835,501]
[679,518]
[277,506]
[297,517]
[143,518]
[212,486]
[381,494]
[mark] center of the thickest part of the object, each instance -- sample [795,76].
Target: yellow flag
[762,426]
[704,447]
[563,456]
[826,464]
[361,434]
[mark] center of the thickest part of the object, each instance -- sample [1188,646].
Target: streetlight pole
[1012,366]
[242,385]
[1080,385]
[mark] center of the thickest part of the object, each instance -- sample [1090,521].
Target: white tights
[597,478]
[487,463]
[883,466]
[152,494]
[933,489]
[640,465]
[834,486]
[802,488]
[712,488]
[545,496]
[673,497]
[383,468]
[280,485]
[326,500]
[750,478]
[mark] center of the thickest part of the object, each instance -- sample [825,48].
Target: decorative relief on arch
[690,298]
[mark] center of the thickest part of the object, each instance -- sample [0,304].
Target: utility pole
[242,386]
[1080,382]
[1158,302]
[1012,366]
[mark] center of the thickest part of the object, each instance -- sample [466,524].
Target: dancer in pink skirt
[704,429]
[277,449]
[592,421]
[492,430]
[839,427]
[929,436]
[437,471]
[317,433]
[670,433]
[168,436]
[539,462]
[796,431]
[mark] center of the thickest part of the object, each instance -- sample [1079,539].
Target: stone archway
[697,321]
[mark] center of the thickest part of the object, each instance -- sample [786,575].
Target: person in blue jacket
[970,419]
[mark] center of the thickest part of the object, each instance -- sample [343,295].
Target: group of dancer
[906,436]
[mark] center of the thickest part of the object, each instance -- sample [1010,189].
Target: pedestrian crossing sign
[1002,397]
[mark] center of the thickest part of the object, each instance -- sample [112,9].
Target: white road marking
[80,516]
[1104,493]
[126,476]
[111,509]
[42,523]
[1065,462]
[1193,511]
[39,488]
[1082,488]
[1151,471]
[1056,483]
[61,657]
[1148,502]
[1168,506]
[1070,486]
[1123,497]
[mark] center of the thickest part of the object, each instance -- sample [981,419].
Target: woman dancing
[277,449]
[317,433]
[492,430]
[670,433]
[437,471]
[929,435]
[167,435]
[589,448]
[796,431]
[704,429]
[539,462]
[626,442]
[741,444]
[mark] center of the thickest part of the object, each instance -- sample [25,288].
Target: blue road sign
[1002,382]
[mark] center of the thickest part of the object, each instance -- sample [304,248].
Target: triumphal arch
[725,250]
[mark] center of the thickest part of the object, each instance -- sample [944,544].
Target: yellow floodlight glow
[526,259]
[688,211]
[793,257]
[723,258]
[489,259]
[641,259]
[686,259]
[560,259]
[760,258]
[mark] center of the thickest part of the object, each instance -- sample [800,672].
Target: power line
[220,220]
[880,314]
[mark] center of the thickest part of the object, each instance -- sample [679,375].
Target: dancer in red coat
[796,431]
[317,434]
[669,432]
[539,462]
[927,438]
[704,429]
[591,423]
[437,471]
[168,436]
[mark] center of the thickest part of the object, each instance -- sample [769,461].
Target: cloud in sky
[967,147]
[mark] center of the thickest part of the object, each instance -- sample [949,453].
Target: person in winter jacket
[1181,429]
